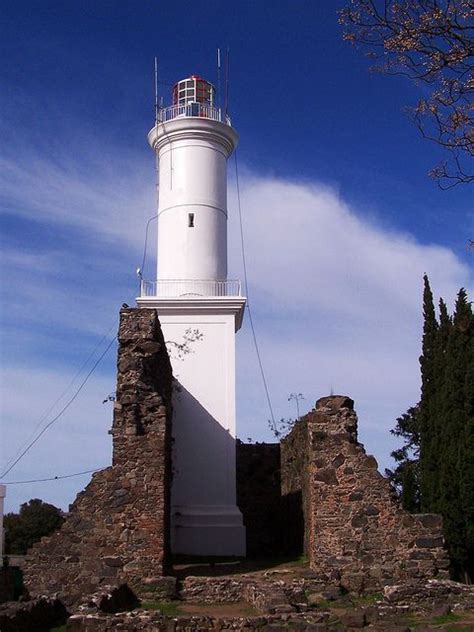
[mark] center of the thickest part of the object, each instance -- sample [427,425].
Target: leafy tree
[405,477]
[35,520]
[432,43]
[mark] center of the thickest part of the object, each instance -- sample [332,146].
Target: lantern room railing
[193,109]
[175,288]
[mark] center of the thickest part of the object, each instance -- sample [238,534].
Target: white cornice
[234,305]
[196,128]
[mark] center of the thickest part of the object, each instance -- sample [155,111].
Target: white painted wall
[203,496]
[192,154]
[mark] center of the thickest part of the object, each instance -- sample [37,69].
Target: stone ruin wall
[117,528]
[355,529]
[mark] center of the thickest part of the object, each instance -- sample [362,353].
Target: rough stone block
[430,521]
[335,402]
[326,475]
[429,543]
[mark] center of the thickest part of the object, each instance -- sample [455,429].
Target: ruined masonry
[322,489]
[117,527]
[353,526]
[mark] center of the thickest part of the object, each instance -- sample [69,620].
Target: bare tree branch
[429,41]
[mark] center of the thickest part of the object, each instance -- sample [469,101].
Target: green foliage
[405,477]
[410,488]
[455,424]
[367,600]
[428,451]
[451,617]
[168,608]
[35,520]
[435,466]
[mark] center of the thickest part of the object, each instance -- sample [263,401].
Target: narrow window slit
[190,220]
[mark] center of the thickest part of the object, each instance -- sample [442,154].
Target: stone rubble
[37,615]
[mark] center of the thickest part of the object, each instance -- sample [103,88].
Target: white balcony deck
[193,110]
[178,288]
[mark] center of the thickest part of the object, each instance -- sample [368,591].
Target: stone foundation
[355,531]
[117,529]
[283,604]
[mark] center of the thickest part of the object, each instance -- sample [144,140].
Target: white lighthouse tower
[193,139]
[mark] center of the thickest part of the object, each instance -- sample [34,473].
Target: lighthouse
[200,311]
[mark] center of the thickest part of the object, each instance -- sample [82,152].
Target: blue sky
[340,217]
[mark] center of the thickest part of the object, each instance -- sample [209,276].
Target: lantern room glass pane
[193,90]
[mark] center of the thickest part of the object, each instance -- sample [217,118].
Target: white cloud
[107,197]
[307,248]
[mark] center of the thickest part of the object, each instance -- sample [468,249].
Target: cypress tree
[435,470]
[437,406]
[466,456]
[427,412]
[458,471]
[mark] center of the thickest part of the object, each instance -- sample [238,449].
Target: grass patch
[458,622]
[367,600]
[168,608]
[347,602]
[60,628]
[334,604]
[447,618]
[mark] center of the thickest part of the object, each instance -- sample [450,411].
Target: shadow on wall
[203,454]
[293,523]
[204,451]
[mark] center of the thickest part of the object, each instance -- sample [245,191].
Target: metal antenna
[227,82]
[218,79]
[156,91]
[297,397]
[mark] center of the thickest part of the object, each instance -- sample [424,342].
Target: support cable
[244,262]
[146,242]
[54,404]
[61,412]
[57,478]
[157,178]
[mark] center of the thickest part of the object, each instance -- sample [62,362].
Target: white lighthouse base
[205,519]
[213,530]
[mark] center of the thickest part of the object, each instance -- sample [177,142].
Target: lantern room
[194,89]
